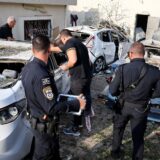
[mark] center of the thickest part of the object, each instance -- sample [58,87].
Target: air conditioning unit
[28,27]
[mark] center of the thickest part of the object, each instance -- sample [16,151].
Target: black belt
[49,127]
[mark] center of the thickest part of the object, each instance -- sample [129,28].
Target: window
[34,27]
[104,36]
[81,36]
[28,27]
[56,59]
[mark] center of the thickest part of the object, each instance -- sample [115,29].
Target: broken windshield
[81,36]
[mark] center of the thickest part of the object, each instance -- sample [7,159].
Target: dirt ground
[96,145]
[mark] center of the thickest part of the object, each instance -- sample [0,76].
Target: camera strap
[135,83]
[142,74]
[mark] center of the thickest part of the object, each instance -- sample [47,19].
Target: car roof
[15,50]
[87,29]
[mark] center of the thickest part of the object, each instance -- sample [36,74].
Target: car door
[107,46]
[124,45]
[61,78]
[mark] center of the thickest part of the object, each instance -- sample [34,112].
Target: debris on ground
[96,145]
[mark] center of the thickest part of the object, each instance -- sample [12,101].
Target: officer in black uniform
[135,100]
[6,29]
[81,73]
[41,93]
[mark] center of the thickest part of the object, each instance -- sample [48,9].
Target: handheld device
[69,97]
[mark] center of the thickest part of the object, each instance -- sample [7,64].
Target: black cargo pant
[45,147]
[78,87]
[137,114]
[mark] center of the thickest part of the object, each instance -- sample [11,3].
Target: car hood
[84,28]
[12,94]
[15,50]
[151,43]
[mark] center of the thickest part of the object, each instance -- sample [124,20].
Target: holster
[33,122]
[121,102]
[118,106]
[50,127]
[41,127]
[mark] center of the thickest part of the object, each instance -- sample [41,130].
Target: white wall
[17,10]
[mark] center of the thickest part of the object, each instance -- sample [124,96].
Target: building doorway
[140,27]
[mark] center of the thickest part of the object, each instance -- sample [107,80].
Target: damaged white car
[105,45]
[152,49]
[152,56]
[15,134]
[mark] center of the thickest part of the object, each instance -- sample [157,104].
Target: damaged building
[38,16]
[139,16]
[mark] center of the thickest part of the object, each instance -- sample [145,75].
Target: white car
[152,56]
[105,46]
[15,134]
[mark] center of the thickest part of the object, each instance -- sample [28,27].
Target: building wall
[122,12]
[19,10]
[52,2]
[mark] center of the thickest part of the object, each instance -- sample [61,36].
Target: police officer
[80,70]
[135,100]
[41,93]
[6,29]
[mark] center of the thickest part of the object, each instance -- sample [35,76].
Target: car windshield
[12,60]
[9,71]
[80,35]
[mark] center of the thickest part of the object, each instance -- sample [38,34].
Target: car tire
[99,65]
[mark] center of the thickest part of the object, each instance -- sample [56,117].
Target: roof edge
[47,2]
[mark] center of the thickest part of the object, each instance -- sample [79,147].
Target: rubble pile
[107,24]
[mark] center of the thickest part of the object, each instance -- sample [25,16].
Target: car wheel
[99,64]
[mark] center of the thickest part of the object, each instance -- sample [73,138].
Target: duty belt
[50,127]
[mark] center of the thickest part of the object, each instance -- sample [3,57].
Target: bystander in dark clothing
[80,71]
[81,75]
[5,31]
[135,100]
[41,93]
[74,19]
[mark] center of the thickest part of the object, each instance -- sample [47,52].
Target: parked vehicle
[152,49]
[105,45]
[15,134]
[152,55]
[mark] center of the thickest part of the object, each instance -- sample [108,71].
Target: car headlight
[9,114]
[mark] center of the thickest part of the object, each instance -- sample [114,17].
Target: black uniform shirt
[131,72]
[82,68]
[5,31]
[41,91]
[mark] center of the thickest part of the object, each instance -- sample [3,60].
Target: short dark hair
[137,47]
[41,43]
[65,32]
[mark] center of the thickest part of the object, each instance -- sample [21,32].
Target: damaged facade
[130,15]
[35,16]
